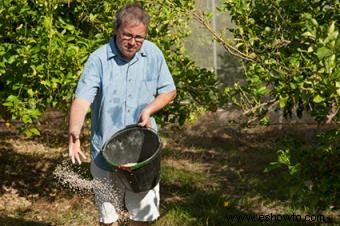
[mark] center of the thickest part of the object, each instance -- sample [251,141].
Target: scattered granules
[67,177]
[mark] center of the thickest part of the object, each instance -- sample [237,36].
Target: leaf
[284,157]
[332,27]
[272,166]
[310,49]
[209,15]
[34,113]
[32,132]
[12,59]
[26,119]
[323,52]
[93,17]
[35,131]
[292,85]
[318,99]
[12,98]
[47,22]
[30,92]
[262,91]
[295,61]
[307,15]
[293,170]
[283,101]
[308,34]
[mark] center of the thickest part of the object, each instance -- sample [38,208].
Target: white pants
[110,197]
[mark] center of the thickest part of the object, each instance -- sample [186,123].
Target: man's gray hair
[134,13]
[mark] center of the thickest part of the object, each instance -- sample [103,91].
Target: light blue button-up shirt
[119,90]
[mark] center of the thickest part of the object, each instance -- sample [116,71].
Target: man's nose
[132,41]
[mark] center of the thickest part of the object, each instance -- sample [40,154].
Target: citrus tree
[44,44]
[290,56]
[289,51]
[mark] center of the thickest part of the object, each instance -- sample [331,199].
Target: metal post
[213,9]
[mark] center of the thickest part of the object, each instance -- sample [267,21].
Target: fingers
[75,153]
[80,153]
[73,159]
[144,120]
[145,124]
[77,157]
[71,153]
[142,124]
[73,156]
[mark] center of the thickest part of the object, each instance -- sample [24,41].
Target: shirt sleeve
[89,81]
[165,81]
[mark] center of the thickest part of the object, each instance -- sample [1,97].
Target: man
[125,82]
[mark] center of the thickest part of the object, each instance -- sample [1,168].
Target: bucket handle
[136,125]
[131,168]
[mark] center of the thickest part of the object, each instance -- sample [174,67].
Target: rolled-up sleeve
[89,81]
[165,81]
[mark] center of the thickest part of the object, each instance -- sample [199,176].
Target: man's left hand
[144,119]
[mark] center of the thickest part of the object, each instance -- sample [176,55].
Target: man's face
[130,37]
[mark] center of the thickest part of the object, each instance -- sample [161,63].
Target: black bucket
[134,154]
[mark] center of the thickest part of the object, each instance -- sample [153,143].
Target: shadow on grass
[28,188]
[31,174]
[9,221]
[237,159]
[203,207]
[26,173]
[30,171]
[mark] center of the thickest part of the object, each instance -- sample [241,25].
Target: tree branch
[333,112]
[228,47]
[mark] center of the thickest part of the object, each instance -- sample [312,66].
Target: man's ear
[114,31]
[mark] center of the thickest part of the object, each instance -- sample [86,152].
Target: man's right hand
[74,148]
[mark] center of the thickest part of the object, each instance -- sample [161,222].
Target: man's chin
[129,54]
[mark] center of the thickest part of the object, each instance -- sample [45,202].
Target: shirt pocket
[151,87]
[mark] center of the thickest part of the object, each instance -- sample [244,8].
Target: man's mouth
[130,49]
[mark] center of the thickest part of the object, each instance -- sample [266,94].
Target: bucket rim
[139,164]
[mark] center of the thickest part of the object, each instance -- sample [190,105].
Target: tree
[44,44]
[289,51]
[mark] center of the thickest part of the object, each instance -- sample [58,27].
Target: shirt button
[128,110]
[130,80]
[130,95]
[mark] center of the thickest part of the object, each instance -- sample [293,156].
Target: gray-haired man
[125,82]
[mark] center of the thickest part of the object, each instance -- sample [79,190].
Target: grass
[209,172]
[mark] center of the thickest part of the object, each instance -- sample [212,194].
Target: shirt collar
[113,51]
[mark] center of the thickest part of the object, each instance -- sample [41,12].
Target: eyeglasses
[128,37]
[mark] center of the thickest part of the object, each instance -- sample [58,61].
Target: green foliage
[42,53]
[44,45]
[290,57]
[311,174]
[295,51]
